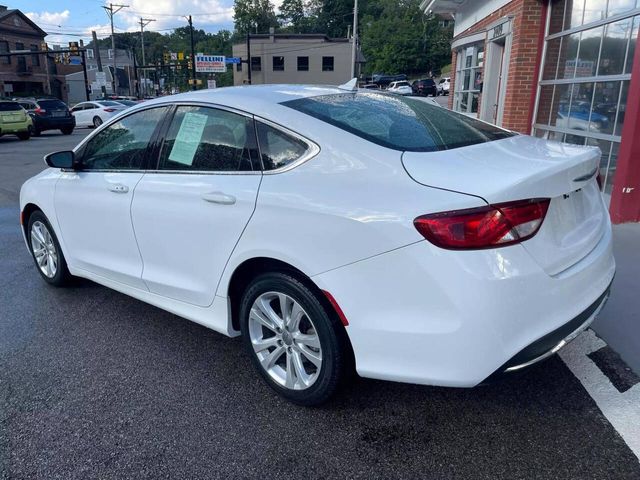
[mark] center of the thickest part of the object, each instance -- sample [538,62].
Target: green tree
[254,16]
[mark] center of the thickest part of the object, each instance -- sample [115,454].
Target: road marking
[622,410]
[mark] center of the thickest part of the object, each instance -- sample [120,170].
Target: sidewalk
[619,322]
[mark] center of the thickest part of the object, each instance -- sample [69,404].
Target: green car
[15,120]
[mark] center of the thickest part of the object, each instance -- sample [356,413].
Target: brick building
[27,75]
[567,70]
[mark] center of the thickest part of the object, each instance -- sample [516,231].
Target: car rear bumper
[54,123]
[425,315]
[17,127]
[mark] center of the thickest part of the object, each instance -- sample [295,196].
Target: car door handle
[118,188]
[219,198]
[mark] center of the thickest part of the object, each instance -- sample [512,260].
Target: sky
[69,20]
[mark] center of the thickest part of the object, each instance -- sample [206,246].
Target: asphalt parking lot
[94,384]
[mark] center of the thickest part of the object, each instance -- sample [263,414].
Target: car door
[189,214]
[79,113]
[93,203]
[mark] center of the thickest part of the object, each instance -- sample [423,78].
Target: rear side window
[209,139]
[277,148]
[399,123]
[10,107]
[52,104]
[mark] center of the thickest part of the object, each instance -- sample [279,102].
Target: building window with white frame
[469,65]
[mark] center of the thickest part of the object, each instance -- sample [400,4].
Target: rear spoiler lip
[586,177]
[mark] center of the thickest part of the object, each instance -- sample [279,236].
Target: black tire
[24,135]
[327,327]
[36,132]
[97,121]
[62,276]
[67,130]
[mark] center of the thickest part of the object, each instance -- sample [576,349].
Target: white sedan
[333,228]
[400,88]
[94,114]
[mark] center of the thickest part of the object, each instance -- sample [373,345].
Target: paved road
[94,384]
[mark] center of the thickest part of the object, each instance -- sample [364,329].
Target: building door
[496,71]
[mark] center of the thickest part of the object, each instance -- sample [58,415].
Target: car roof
[258,99]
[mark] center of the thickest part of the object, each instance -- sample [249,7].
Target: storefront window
[585,76]
[469,78]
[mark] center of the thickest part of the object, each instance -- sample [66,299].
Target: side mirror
[63,159]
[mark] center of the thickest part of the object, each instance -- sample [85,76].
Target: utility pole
[355,39]
[249,56]
[193,54]
[143,23]
[111,11]
[96,55]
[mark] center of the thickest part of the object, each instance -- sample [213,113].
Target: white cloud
[49,18]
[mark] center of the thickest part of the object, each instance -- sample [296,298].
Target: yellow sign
[180,55]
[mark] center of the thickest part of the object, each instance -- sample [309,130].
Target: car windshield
[9,107]
[399,123]
[52,104]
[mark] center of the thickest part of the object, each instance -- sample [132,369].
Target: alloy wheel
[285,340]
[44,249]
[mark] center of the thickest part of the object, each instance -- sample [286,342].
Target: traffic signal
[43,46]
[73,46]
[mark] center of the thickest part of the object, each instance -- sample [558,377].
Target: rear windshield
[399,123]
[9,107]
[109,103]
[51,104]
[428,82]
[402,84]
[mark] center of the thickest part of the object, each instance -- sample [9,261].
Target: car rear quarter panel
[352,201]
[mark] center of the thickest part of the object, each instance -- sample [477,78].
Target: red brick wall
[525,56]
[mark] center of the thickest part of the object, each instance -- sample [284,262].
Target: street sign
[210,64]
[233,60]
[211,84]
[174,56]
[101,78]
[181,56]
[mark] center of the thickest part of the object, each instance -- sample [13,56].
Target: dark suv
[48,114]
[424,87]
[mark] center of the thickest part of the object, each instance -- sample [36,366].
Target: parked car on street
[94,114]
[14,120]
[333,227]
[383,80]
[49,114]
[424,87]
[443,86]
[400,88]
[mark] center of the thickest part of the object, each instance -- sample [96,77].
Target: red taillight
[40,111]
[484,227]
[109,110]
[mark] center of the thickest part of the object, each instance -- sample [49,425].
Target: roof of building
[299,36]
[8,12]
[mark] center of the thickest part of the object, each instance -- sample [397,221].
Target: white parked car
[443,86]
[94,114]
[400,88]
[333,228]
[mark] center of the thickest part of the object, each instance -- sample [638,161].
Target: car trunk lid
[523,167]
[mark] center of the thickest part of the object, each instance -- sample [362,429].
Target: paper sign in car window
[188,138]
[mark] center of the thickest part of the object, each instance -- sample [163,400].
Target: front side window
[209,139]
[398,122]
[278,148]
[327,64]
[123,145]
